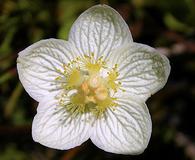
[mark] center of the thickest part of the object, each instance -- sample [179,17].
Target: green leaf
[174,24]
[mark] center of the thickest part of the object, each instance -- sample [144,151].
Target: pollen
[75,78]
[93,68]
[87,89]
[112,79]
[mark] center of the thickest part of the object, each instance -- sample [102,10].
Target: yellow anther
[93,67]
[75,78]
[90,99]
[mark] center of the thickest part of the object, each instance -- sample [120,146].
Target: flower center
[93,90]
[90,90]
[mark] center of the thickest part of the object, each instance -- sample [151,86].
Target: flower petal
[142,71]
[54,127]
[99,30]
[124,130]
[39,65]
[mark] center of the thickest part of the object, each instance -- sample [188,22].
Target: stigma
[93,89]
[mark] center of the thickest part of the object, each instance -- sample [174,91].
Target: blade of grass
[12,102]
[6,76]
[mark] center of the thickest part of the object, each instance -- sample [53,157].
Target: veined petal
[142,71]
[54,127]
[99,30]
[125,129]
[39,65]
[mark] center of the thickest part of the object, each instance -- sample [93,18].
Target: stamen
[75,78]
[91,91]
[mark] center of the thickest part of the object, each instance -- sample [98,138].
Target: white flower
[94,85]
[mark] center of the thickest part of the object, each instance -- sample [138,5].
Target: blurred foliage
[12,153]
[169,25]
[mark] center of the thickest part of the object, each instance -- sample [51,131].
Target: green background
[168,25]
